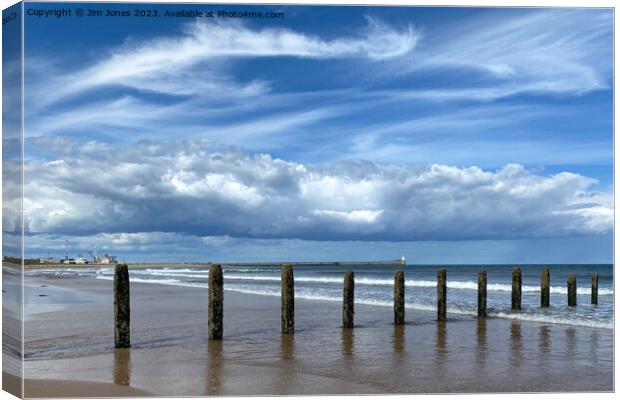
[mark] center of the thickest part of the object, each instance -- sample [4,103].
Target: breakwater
[348,282]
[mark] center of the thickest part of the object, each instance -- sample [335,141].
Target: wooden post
[594,295]
[572,290]
[441,294]
[482,293]
[216,302]
[516,288]
[121,307]
[287,299]
[545,282]
[399,297]
[347,299]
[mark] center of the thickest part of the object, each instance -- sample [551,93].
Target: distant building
[80,260]
[109,259]
[49,260]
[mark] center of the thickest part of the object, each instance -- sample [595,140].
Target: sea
[374,286]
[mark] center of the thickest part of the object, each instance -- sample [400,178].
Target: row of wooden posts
[216,298]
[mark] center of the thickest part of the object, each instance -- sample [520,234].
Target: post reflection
[481,341]
[285,384]
[544,346]
[287,347]
[516,344]
[215,364]
[398,341]
[544,343]
[121,370]
[441,351]
[348,344]
[571,342]
[594,346]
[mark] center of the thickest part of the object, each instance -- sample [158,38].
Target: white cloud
[188,187]
[354,216]
[559,51]
[194,62]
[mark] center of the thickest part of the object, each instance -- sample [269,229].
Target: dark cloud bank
[191,188]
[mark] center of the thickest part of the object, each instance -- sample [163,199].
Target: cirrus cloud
[191,63]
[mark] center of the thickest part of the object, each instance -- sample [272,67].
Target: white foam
[175,278]
[172,282]
[554,319]
[523,316]
[361,280]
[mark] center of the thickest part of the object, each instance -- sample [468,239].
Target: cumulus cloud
[193,188]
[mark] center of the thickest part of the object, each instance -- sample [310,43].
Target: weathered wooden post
[545,282]
[347,299]
[399,297]
[594,294]
[216,302]
[482,293]
[572,290]
[441,294]
[516,288]
[121,307]
[287,299]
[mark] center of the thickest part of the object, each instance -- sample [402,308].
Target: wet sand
[67,388]
[171,355]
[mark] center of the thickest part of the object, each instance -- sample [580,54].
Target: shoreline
[462,355]
[556,314]
[260,264]
[388,263]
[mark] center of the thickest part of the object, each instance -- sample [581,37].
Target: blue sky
[456,134]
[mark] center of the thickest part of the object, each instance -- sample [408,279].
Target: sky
[447,135]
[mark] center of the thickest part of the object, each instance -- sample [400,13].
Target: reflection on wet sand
[516,344]
[481,341]
[287,347]
[441,351]
[215,363]
[285,382]
[348,345]
[398,341]
[121,370]
[544,344]
[571,342]
[594,346]
[348,350]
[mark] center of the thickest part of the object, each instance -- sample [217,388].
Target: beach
[69,338]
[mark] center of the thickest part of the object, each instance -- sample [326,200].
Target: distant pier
[402,261]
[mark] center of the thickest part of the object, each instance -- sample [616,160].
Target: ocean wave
[205,270]
[362,280]
[172,282]
[308,295]
[554,319]
[522,316]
